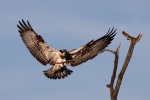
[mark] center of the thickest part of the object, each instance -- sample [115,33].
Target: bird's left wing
[92,48]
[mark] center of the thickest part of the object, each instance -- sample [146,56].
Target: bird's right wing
[35,44]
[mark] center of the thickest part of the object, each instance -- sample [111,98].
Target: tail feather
[58,75]
[62,73]
[68,71]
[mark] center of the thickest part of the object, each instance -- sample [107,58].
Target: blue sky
[70,24]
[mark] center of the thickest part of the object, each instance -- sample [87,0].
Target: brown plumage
[92,49]
[60,59]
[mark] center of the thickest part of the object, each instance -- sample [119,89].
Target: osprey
[60,59]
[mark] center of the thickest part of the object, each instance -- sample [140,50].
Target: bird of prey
[60,59]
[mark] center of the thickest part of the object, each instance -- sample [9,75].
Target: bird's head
[63,51]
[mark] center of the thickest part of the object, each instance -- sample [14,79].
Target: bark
[114,91]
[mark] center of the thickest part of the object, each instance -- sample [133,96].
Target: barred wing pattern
[92,49]
[35,43]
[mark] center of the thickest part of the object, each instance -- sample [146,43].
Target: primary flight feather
[60,59]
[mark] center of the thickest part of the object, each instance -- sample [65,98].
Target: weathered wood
[114,91]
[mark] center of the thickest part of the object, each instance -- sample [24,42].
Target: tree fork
[133,41]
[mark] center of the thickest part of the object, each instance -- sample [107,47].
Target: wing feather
[92,48]
[35,43]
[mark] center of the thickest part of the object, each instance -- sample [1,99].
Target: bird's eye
[61,51]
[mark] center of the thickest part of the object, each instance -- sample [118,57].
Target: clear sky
[66,24]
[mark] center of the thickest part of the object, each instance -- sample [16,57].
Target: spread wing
[35,44]
[91,49]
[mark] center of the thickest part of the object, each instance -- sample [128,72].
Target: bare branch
[114,71]
[111,84]
[117,50]
[116,53]
[114,91]
[127,60]
[132,39]
[108,51]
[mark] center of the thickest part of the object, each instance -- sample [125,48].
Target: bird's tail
[62,73]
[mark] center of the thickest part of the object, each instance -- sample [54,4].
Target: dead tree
[115,89]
